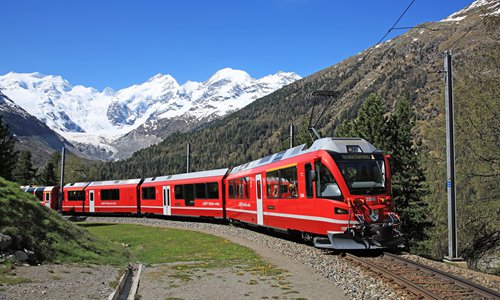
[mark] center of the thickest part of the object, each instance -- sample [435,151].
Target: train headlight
[374,215]
[340,211]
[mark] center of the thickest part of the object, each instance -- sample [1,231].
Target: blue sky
[119,43]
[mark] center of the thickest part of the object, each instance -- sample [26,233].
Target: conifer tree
[408,175]
[48,175]
[25,172]
[8,154]
[370,124]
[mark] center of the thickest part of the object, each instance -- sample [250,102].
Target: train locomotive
[335,194]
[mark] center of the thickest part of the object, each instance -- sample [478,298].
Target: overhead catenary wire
[395,23]
[450,48]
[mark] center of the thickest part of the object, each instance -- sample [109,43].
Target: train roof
[115,182]
[339,145]
[77,184]
[201,174]
[49,188]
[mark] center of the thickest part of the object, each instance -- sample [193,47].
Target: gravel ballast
[314,273]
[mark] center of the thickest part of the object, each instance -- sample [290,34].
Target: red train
[335,193]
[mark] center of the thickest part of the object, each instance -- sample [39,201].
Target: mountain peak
[488,7]
[229,74]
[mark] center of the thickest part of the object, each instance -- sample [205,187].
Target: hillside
[45,235]
[408,66]
[30,133]
[411,66]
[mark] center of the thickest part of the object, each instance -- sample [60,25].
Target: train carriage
[74,197]
[197,194]
[113,196]
[336,192]
[46,195]
[50,197]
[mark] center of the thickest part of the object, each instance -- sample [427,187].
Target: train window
[234,189]
[112,194]
[309,186]
[179,192]
[189,194]
[239,188]
[212,190]
[259,188]
[76,195]
[272,183]
[326,186]
[201,193]
[244,187]
[39,194]
[149,193]
[47,197]
[289,183]
[282,183]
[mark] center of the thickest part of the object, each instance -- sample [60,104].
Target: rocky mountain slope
[30,133]
[410,65]
[113,124]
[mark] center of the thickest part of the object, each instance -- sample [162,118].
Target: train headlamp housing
[340,211]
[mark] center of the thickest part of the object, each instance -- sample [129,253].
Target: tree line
[18,166]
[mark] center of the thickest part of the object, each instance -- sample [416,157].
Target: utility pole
[291,136]
[61,191]
[450,160]
[188,159]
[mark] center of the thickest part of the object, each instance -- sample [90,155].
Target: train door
[91,201]
[167,211]
[260,213]
[47,199]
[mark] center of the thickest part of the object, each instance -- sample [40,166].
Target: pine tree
[370,124]
[8,154]
[408,175]
[25,172]
[48,175]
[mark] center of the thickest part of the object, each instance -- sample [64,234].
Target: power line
[395,23]
[466,32]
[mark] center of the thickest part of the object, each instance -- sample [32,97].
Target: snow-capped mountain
[29,132]
[87,116]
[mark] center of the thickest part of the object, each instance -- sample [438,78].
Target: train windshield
[364,174]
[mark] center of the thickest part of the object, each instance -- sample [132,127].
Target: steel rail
[462,282]
[410,286]
[463,287]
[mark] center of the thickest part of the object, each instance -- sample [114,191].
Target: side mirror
[314,176]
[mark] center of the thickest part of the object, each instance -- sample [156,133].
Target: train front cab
[196,194]
[305,191]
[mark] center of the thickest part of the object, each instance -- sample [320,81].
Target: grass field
[153,245]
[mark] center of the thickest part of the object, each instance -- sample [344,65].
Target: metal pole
[188,159]
[450,160]
[291,136]
[61,191]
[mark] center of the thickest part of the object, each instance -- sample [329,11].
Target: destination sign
[357,156]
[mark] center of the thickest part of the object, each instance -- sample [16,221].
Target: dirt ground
[62,282]
[177,281]
[174,281]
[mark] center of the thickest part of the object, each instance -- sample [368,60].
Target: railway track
[419,281]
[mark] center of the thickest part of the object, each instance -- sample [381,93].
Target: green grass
[154,245]
[51,237]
